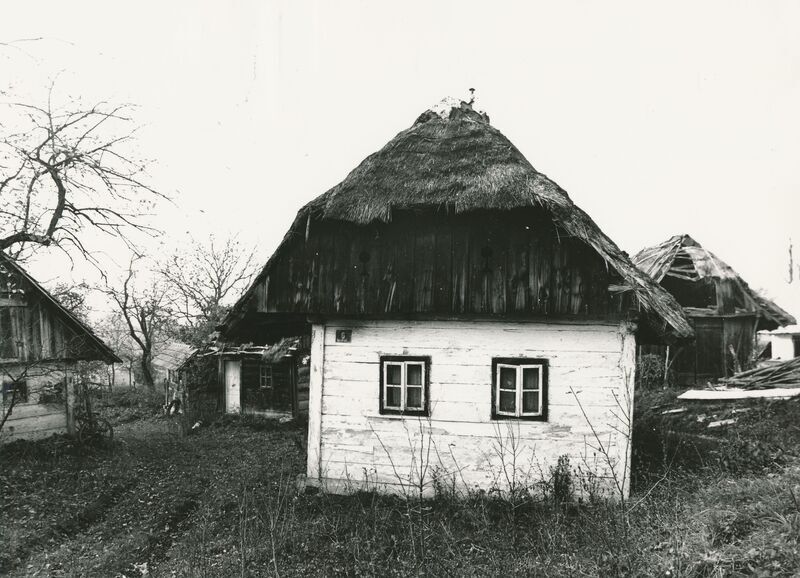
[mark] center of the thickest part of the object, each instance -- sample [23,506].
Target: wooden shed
[784,342]
[723,310]
[270,380]
[40,345]
[459,300]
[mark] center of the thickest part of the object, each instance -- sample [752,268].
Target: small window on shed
[9,387]
[519,389]
[404,385]
[265,376]
[8,346]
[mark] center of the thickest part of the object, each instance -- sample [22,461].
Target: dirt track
[136,508]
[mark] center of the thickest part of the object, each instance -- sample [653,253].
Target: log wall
[46,411]
[352,445]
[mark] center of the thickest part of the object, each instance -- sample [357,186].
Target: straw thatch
[453,159]
[683,258]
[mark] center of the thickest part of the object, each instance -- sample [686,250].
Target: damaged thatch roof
[684,258]
[451,157]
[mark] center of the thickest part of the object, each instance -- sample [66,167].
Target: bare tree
[202,279]
[145,310]
[73,297]
[63,172]
[113,330]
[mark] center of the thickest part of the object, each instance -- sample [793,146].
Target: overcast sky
[658,119]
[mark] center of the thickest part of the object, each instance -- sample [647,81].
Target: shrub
[650,372]
[561,485]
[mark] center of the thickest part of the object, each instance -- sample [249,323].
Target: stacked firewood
[783,374]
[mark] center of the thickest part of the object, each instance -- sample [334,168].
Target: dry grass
[223,502]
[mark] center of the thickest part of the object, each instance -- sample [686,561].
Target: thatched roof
[452,158]
[684,258]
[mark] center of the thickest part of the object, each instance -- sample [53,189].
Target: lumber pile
[780,375]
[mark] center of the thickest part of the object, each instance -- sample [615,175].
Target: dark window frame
[518,362]
[22,391]
[426,383]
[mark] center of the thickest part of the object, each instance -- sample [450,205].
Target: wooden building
[269,380]
[457,297]
[40,345]
[723,310]
[782,343]
[168,357]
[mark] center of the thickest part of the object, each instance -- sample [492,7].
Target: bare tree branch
[202,279]
[144,308]
[66,171]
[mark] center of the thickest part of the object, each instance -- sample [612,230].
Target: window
[265,376]
[519,389]
[404,385]
[8,344]
[21,388]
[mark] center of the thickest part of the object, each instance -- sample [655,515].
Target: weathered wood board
[479,263]
[39,416]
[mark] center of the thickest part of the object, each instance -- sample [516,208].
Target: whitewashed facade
[459,443]
[785,342]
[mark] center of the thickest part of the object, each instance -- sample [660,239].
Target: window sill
[401,413]
[496,417]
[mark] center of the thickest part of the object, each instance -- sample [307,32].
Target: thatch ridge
[659,260]
[458,161]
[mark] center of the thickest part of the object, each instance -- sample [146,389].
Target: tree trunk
[147,373]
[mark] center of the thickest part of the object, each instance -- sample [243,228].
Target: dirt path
[133,509]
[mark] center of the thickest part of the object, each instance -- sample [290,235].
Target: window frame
[405,360]
[8,387]
[265,376]
[519,363]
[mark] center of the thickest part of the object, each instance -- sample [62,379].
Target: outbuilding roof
[684,258]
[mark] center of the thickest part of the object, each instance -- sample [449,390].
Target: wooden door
[232,374]
[710,349]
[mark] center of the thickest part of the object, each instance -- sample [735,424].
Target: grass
[223,502]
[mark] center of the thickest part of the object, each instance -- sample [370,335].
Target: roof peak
[451,108]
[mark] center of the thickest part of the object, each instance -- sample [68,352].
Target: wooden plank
[24,426]
[442,269]
[34,410]
[460,270]
[317,360]
[731,394]
[563,368]
[520,337]
[424,265]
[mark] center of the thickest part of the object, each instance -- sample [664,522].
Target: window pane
[392,397]
[414,374]
[530,378]
[414,398]
[508,378]
[393,374]
[530,402]
[508,401]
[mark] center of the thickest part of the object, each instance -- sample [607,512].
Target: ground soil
[124,510]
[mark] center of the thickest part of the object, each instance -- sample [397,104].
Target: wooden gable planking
[439,264]
[34,331]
